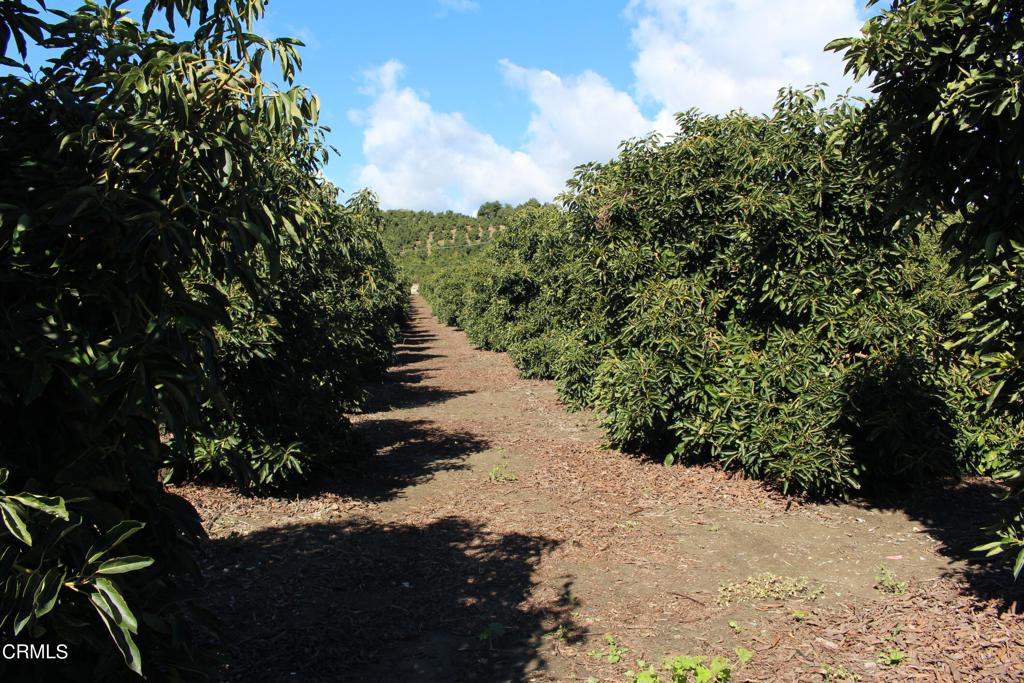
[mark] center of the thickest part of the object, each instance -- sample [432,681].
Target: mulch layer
[487,536]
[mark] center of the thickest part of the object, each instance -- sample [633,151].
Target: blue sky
[445,104]
[451,55]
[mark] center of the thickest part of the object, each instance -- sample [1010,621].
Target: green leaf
[46,597]
[117,606]
[123,565]
[24,615]
[993,548]
[14,523]
[838,44]
[53,505]
[114,537]
[120,635]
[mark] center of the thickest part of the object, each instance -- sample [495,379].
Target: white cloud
[720,55]
[421,158]
[575,119]
[716,55]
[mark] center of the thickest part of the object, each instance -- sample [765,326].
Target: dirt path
[492,539]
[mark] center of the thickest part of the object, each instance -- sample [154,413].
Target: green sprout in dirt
[678,669]
[886,581]
[891,656]
[768,586]
[613,655]
[500,474]
[737,627]
[800,615]
[718,670]
[646,674]
[837,674]
[234,540]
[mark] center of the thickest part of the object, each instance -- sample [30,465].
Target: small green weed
[737,627]
[768,586]
[678,669]
[500,474]
[646,674]
[800,615]
[568,598]
[891,656]
[612,655]
[838,674]
[234,540]
[894,654]
[886,581]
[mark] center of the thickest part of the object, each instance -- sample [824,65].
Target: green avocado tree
[152,186]
[948,84]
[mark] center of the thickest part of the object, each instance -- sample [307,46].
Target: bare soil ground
[491,538]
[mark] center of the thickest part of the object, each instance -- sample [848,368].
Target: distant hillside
[406,230]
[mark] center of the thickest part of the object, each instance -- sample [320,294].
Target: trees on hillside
[404,228]
[489,211]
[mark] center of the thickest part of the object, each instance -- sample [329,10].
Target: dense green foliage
[947,114]
[737,293]
[293,359]
[498,213]
[422,239]
[503,293]
[183,297]
[407,230]
[172,272]
[776,293]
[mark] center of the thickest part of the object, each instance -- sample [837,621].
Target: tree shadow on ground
[956,513]
[902,433]
[398,454]
[364,601]
[405,388]
[414,337]
[394,454]
[407,356]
